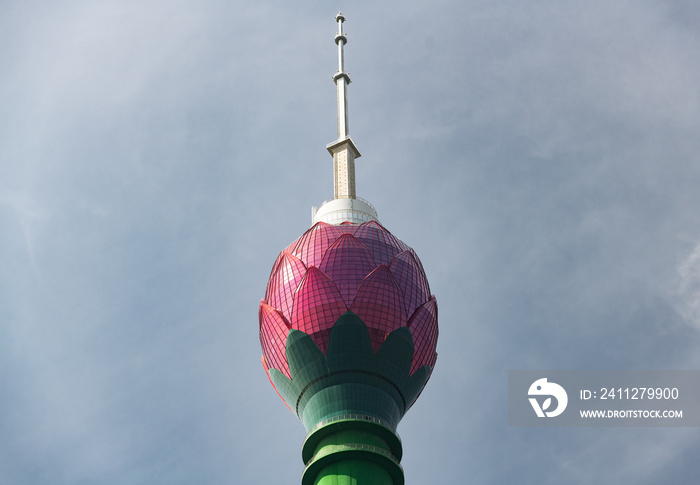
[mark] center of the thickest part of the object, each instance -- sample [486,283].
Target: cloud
[28,214]
[687,290]
[156,156]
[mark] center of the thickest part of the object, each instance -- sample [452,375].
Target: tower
[348,328]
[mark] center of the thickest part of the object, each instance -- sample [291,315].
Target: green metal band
[354,454]
[353,371]
[356,422]
[357,450]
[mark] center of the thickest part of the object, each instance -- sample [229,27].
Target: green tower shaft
[352,451]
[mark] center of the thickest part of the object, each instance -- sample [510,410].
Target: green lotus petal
[349,346]
[350,378]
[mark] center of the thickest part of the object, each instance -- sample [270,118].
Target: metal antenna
[342,79]
[343,149]
[345,205]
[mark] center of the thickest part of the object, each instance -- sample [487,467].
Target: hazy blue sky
[541,157]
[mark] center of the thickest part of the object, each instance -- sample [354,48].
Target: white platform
[337,211]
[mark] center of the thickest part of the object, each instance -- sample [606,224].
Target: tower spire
[343,150]
[341,79]
[345,205]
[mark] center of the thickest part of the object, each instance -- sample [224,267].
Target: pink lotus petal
[381,243]
[311,246]
[317,306]
[284,283]
[347,262]
[379,303]
[273,337]
[424,329]
[407,270]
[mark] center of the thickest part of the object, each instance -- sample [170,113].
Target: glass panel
[317,306]
[424,329]
[379,303]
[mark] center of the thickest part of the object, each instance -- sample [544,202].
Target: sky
[540,157]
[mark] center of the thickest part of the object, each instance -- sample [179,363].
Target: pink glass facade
[332,269]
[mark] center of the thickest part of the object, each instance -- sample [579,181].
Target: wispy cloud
[688,288]
[29,214]
[155,158]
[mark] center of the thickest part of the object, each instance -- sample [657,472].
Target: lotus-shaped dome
[333,269]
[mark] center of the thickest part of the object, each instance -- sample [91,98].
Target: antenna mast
[345,206]
[343,150]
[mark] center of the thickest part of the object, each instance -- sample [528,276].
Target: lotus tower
[348,328]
